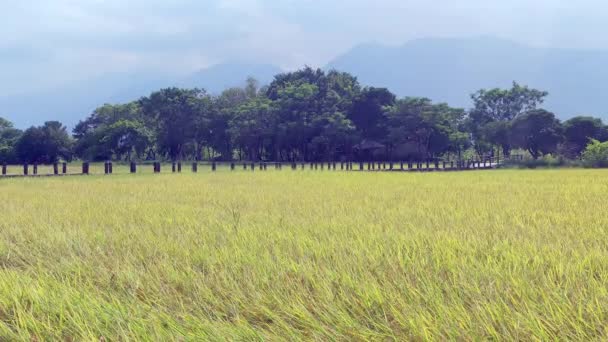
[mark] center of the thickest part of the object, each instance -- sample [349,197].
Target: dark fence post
[106,168]
[244,166]
[4,169]
[213,166]
[232,166]
[55,168]
[303,166]
[451,165]
[436,164]
[64,168]
[265,166]
[110,167]
[195,167]
[85,168]
[25,169]
[173,167]
[35,168]
[179,166]
[133,167]
[252,166]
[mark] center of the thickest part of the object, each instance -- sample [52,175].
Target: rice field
[305,255]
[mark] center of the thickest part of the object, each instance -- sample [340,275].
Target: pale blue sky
[47,42]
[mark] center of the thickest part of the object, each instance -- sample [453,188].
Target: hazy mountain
[451,69]
[73,102]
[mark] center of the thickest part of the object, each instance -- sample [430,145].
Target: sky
[44,43]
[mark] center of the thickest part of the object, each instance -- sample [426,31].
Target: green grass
[514,255]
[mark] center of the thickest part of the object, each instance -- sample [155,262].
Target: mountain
[449,70]
[73,102]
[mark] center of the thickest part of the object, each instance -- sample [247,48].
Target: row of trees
[306,115]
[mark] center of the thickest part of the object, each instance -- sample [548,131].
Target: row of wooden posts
[369,166]
[64,169]
[348,166]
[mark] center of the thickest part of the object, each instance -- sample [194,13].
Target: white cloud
[53,41]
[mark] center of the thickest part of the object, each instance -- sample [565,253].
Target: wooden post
[25,169]
[64,168]
[265,166]
[213,166]
[35,168]
[436,164]
[133,168]
[232,166]
[244,166]
[55,168]
[4,169]
[194,167]
[85,168]
[106,168]
[252,166]
[110,167]
[261,166]
[173,167]
[451,165]
[179,166]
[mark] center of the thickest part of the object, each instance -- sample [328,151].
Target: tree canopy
[306,115]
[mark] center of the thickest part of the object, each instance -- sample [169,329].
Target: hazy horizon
[46,44]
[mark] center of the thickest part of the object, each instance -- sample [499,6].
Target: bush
[547,161]
[596,154]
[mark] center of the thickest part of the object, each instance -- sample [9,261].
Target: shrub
[596,154]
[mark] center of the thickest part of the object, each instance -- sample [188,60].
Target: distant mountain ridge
[449,70]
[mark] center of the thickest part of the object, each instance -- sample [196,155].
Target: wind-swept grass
[514,255]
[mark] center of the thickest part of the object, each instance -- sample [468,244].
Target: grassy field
[286,255]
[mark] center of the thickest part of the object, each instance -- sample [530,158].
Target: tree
[173,110]
[578,133]
[596,154]
[506,104]
[114,131]
[499,105]
[429,127]
[537,131]
[44,144]
[497,133]
[8,139]
[253,129]
[368,110]
[312,109]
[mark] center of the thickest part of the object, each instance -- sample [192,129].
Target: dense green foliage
[596,154]
[307,115]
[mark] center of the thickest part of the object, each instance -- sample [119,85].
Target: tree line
[306,115]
